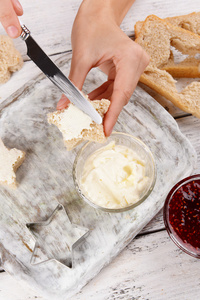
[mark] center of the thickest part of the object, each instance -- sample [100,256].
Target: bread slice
[190,66]
[189,22]
[10,59]
[76,126]
[156,37]
[10,160]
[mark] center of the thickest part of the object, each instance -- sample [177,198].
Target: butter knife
[40,58]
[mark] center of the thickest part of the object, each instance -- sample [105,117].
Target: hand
[97,41]
[9,10]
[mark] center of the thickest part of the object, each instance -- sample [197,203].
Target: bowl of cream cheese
[115,176]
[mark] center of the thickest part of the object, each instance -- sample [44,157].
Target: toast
[188,67]
[10,160]
[156,36]
[10,59]
[76,126]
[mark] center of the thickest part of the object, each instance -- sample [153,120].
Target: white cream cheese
[72,121]
[114,176]
[8,160]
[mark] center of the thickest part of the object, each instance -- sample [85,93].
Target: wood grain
[51,22]
[46,177]
[151,267]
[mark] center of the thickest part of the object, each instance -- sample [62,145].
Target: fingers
[103,91]
[63,102]
[116,105]
[122,91]
[8,17]
[17,7]
[128,72]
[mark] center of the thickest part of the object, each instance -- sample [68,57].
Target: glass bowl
[182,215]
[123,139]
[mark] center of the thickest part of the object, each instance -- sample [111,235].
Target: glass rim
[122,209]
[166,213]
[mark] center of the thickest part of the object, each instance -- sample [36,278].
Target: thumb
[78,72]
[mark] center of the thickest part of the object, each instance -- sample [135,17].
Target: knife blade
[47,66]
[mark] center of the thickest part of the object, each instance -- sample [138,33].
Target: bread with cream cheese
[76,126]
[10,160]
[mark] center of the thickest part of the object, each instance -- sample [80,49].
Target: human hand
[9,10]
[97,41]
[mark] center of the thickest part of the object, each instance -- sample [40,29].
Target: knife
[46,65]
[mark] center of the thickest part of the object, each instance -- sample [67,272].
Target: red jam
[182,215]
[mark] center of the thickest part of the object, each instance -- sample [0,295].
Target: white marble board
[45,179]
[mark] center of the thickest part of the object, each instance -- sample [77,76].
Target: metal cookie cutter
[56,238]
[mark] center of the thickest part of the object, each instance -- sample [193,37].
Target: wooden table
[151,266]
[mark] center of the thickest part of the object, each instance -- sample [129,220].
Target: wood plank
[135,277]
[54,32]
[132,275]
[18,291]
[151,267]
[156,224]
[190,127]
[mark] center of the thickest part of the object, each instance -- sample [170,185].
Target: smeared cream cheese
[114,176]
[72,121]
[8,161]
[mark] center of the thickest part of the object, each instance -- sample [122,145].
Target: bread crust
[190,67]
[94,133]
[10,59]
[16,158]
[156,36]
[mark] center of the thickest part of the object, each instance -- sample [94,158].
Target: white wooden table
[151,267]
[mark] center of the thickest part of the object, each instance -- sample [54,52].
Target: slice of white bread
[190,66]
[76,126]
[10,59]
[156,36]
[10,160]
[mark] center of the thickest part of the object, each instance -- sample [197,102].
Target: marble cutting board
[45,179]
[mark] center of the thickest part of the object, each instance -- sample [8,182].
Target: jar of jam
[182,215]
